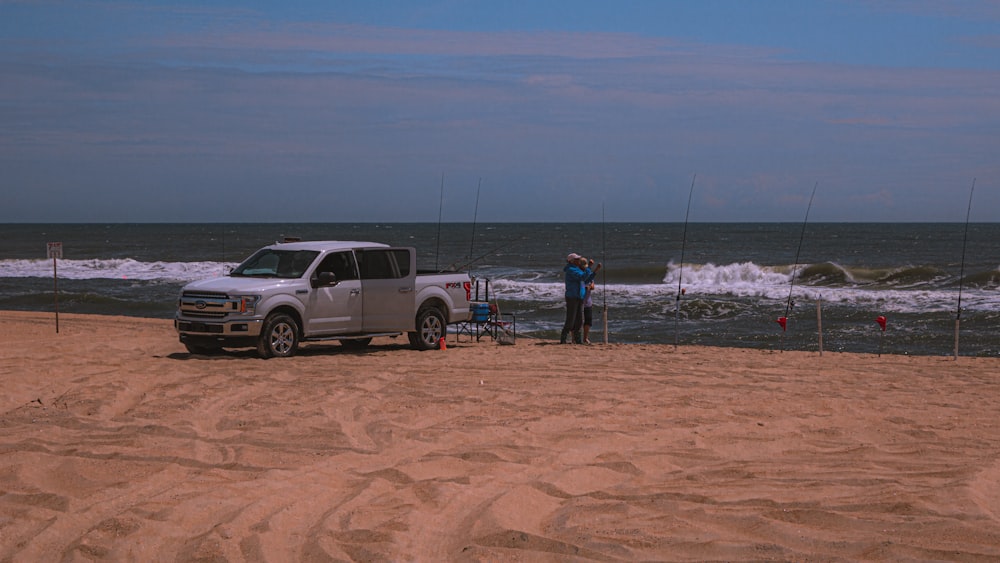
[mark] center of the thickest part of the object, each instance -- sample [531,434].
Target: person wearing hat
[576,279]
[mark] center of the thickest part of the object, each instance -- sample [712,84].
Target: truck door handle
[355,292]
[405,289]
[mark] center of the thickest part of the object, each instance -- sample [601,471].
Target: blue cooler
[480,312]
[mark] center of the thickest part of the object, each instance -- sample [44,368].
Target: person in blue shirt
[577,275]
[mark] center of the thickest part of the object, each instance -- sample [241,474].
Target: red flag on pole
[881,322]
[783,321]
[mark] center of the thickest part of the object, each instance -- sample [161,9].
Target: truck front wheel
[430,329]
[280,337]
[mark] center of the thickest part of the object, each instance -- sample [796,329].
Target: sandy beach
[118,445]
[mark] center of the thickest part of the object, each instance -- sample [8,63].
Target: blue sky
[114,110]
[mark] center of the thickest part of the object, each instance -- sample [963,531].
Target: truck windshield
[271,263]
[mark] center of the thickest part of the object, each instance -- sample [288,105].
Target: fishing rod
[223,250]
[791,284]
[454,267]
[437,249]
[680,269]
[475,215]
[604,277]
[961,275]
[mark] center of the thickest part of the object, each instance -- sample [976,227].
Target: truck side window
[341,264]
[376,264]
[402,261]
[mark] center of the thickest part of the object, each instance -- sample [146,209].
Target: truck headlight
[247,304]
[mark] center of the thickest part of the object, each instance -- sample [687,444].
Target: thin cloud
[960,9]
[219,97]
[360,39]
[984,41]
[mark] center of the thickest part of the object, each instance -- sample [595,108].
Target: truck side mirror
[324,279]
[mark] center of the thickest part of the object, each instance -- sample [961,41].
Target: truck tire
[430,329]
[280,337]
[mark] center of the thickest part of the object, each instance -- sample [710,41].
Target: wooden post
[819,323]
[604,315]
[957,322]
[55,290]
[54,251]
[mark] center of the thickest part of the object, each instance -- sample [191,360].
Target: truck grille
[186,326]
[207,305]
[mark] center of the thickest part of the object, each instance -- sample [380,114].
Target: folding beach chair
[501,327]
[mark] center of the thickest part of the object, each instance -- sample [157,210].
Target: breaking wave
[123,268]
[905,289]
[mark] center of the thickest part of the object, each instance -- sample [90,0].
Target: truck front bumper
[242,328]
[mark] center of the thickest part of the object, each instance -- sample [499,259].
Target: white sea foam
[749,282]
[737,279]
[743,281]
[124,268]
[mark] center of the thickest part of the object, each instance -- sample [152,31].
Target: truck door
[335,307]
[388,287]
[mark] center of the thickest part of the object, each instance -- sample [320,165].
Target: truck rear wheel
[280,337]
[430,329]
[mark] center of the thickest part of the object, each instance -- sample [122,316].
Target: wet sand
[118,445]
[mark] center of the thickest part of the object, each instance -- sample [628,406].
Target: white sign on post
[55,250]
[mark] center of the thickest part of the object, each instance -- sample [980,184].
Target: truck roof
[324,245]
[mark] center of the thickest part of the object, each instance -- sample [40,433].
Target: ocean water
[736,278]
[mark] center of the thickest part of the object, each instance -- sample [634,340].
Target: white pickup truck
[292,292]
